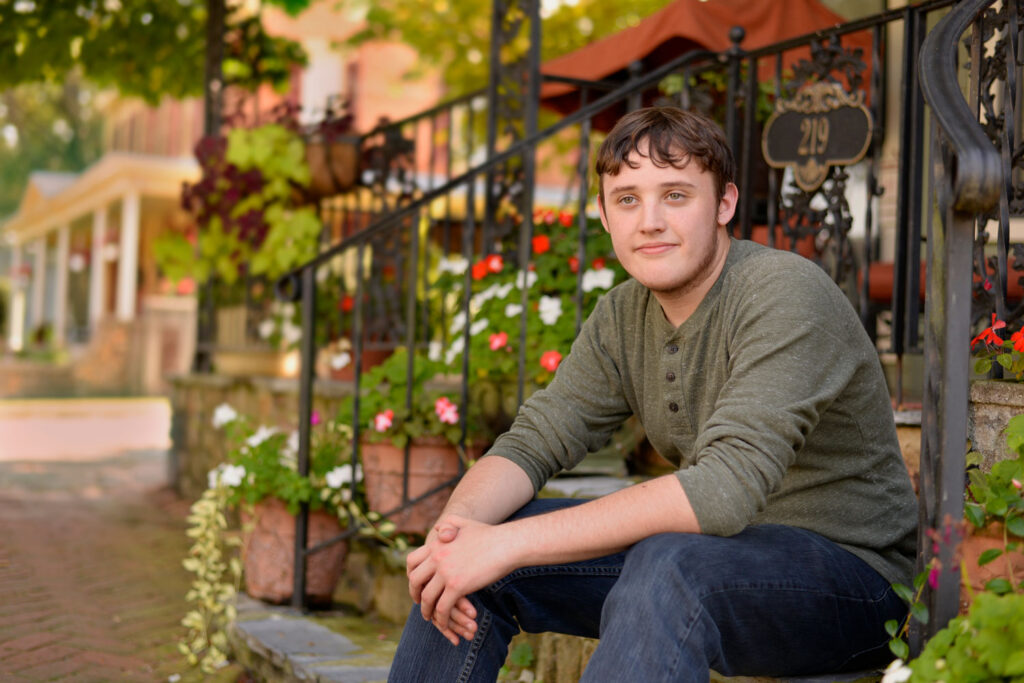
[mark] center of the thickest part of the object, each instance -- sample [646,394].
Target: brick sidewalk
[91,582]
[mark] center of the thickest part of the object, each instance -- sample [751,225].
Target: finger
[452,637]
[443,606]
[446,533]
[462,624]
[416,557]
[428,599]
[418,578]
[464,606]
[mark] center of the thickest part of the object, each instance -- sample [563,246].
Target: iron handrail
[975,163]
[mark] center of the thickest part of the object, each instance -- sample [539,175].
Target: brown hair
[673,137]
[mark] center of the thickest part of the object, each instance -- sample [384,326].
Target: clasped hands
[459,556]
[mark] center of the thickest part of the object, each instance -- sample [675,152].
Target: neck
[679,305]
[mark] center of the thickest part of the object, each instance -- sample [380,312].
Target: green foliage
[45,127]
[217,577]
[521,655]
[144,48]
[986,645]
[248,207]
[457,37]
[434,411]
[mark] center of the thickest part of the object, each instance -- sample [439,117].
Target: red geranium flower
[499,340]
[480,270]
[347,303]
[541,243]
[988,335]
[574,264]
[1018,340]
[598,263]
[565,218]
[549,360]
[495,263]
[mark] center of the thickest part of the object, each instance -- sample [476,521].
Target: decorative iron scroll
[822,126]
[819,126]
[997,95]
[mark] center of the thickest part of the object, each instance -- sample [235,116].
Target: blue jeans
[772,600]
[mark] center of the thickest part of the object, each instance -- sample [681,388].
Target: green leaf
[999,586]
[1015,525]
[899,648]
[891,627]
[989,555]
[905,593]
[974,459]
[920,612]
[974,514]
[521,655]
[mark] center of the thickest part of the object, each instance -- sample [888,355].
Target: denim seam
[474,647]
[881,643]
[551,570]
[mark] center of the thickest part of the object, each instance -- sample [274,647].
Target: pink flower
[1016,484]
[447,412]
[933,578]
[315,418]
[382,421]
[499,340]
[549,360]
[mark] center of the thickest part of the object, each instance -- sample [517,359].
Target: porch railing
[389,266]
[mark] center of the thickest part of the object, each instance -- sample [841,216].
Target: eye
[627,200]
[676,196]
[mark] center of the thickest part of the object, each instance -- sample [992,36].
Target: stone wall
[198,447]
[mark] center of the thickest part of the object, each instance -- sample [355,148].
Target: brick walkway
[91,583]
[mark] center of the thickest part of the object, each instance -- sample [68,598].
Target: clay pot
[268,553]
[333,167]
[977,542]
[432,462]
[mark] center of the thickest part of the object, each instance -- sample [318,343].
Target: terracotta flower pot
[431,463]
[977,542]
[268,553]
[334,167]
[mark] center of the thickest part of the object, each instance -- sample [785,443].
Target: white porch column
[97,279]
[128,257]
[60,309]
[16,311]
[38,283]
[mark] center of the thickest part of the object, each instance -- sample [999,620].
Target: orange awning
[686,25]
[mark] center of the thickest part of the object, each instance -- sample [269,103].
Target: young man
[772,549]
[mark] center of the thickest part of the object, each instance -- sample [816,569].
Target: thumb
[446,533]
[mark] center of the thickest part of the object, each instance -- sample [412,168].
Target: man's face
[665,225]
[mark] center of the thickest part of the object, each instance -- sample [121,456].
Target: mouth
[655,248]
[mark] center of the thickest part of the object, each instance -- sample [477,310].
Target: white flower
[434,350]
[531,277]
[291,447]
[593,279]
[261,435]
[267,328]
[478,326]
[458,322]
[174,678]
[213,476]
[290,458]
[322,274]
[291,333]
[897,672]
[340,360]
[456,265]
[458,344]
[550,309]
[512,310]
[233,475]
[223,414]
[342,475]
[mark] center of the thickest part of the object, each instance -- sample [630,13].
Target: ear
[600,210]
[727,204]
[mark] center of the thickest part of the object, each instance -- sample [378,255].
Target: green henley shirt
[770,399]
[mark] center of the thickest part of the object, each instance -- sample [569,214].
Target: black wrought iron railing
[974,148]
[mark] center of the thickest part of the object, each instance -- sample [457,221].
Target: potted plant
[332,153]
[986,641]
[995,395]
[251,221]
[431,428]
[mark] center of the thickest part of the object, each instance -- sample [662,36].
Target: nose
[652,219]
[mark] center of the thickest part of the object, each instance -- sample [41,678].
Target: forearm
[490,491]
[603,526]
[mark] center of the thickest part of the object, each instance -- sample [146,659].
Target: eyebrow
[618,189]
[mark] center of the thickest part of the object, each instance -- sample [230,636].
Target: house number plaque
[822,126]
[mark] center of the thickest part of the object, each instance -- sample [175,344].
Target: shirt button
[674,407]
[672,348]
[670,376]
